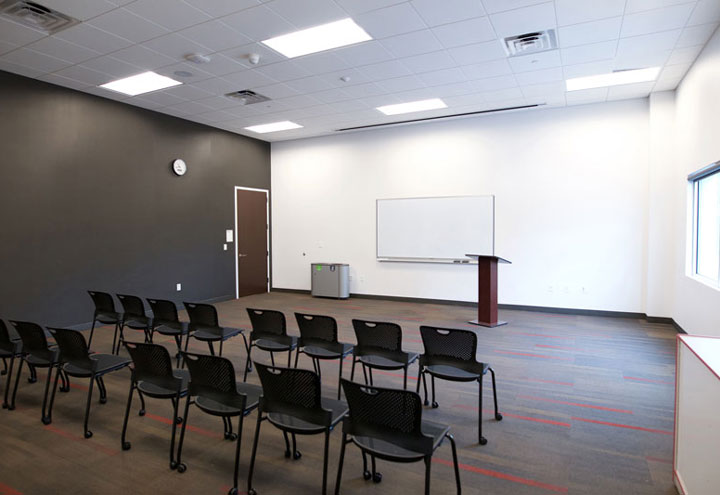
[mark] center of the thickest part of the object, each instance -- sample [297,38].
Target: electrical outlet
[224,247]
[178,287]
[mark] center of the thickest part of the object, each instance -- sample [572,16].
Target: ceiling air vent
[36,16]
[247,97]
[528,43]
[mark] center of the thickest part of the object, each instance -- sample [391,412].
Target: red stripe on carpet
[511,415]
[619,425]
[79,387]
[526,334]
[8,490]
[529,354]
[648,380]
[77,438]
[504,476]
[195,429]
[577,404]
[559,347]
[538,380]
[657,459]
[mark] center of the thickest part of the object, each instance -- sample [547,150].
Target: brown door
[252,248]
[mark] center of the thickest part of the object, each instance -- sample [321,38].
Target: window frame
[694,182]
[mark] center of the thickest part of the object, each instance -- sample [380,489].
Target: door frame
[267,241]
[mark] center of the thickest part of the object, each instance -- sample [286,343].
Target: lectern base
[489,325]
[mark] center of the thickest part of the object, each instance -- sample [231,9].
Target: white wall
[572,195]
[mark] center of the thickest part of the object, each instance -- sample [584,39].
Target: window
[706,224]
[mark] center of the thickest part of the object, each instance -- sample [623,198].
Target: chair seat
[108,317]
[285,421]
[172,328]
[391,451]
[14,350]
[215,334]
[138,323]
[384,363]
[106,363]
[452,373]
[270,345]
[217,408]
[39,362]
[330,351]
[160,392]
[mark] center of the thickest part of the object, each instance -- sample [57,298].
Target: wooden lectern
[487,290]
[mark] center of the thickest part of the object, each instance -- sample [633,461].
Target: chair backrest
[33,339]
[394,415]
[151,363]
[449,343]
[202,315]
[103,301]
[377,335]
[294,392]
[213,377]
[73,348]
[164,311]
[317,327]
[132,305]
[6,343]
[267,321]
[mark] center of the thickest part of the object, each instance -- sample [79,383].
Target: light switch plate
[224,247]
[179,287]
[229,235]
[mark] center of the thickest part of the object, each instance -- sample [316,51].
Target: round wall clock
[179,167]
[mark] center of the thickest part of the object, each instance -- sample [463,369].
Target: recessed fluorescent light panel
[319,38]
[141,83]
[613,79]
[413,106]
[273,127]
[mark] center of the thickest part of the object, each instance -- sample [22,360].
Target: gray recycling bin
[330,280]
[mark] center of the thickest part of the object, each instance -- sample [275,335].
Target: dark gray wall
[88,201]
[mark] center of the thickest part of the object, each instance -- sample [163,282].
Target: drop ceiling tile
[453,89]
[653,21]
[536,61]
[142,57]
[307,13]
[385,70]
[220,65]
[495,6]
[64,50]
[366,53]
[215,35]
[685,55]
[487,69]
[696,35]
[355,7]
[390,21]
[588,69]
[80,9]
[88,36]
[7,47]
[241,54]
[477,53]
[139,102]
[416,43]
[308,85]
[627,91]
[577,11]
[347,106]
[112,66]
[540,76]
[502,94]
[219,102]
[640,60]
[706,11]
[429,61]
[174,46]
[363,90]
[589,53]
[219,8]
[217,116]
[586,96]
[300,101]
[170,14]
[283,71]
[634,6]
[465,32]
[673,71]
[250,79]
[197,74]
[321,63]
[590,32]
[63,81]
[127,25]
[332,95]
[494,83]
[17,34]
[524,20]
[19,69]
[435,13]
[217,86]
[667,84]
[551,90]
[259,23]
[189,108]
[648,44]
[356,77]
[401,84]
[187,92]
[463,100]
[276,91]
[88,76]
[35,60]
[380,100]
[444,76]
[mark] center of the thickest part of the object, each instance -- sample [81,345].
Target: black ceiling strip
[479,112]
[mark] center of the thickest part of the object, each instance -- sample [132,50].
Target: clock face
[179,167]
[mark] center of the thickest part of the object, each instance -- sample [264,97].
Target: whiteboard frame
[448,261]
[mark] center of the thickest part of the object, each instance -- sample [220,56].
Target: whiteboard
[435,229]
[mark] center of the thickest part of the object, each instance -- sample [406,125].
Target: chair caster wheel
[367,475]
[173,465]
[483,441]
[3,372]
[297,455]
[141,412]
[65,389]
[88,434]
[181,468]
[287,454]
[11,408]
[4,406]
[498,417]
[178,420]
[233,491]
[126,445]
[32,380]
[103,400]
[231,436]
[46,420]
[252,491]
[377,478]
[435,405]
[426,402]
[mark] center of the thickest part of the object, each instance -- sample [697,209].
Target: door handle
[242,255]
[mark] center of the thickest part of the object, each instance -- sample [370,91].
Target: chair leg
[187,342]
[296,453]
[455,461]
[272,358]
[340,377]
[251,491]
[52,398]
[141,412]
[8,382]
[178,343]
[247,363]
[371,376]
[124,443]
[289,356]
[432,383]
[234,489]
[103,390]
[288,453]
[427,475]
[481,439]
[88,433]
[181,467]
[176,402]
[92,330]
[498,416]
[121,338]
[33,373]
[352,369]
[317,364]
[325,461]
[5,367]
[297,357]
[340,463]
[405,373]
[364,368]
[210,346]
[11,406]
[65,379]
[45,417]
[221,346]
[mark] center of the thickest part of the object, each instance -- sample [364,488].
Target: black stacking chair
[105,313]
[269,333]
[37,353]
[291,401]
[319,341]
[379,345]
[166,322]
[387,424]
[214,390]
[205,326]
[450,354]
[134,317]
[76,360]
[9,348]
[152,375]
